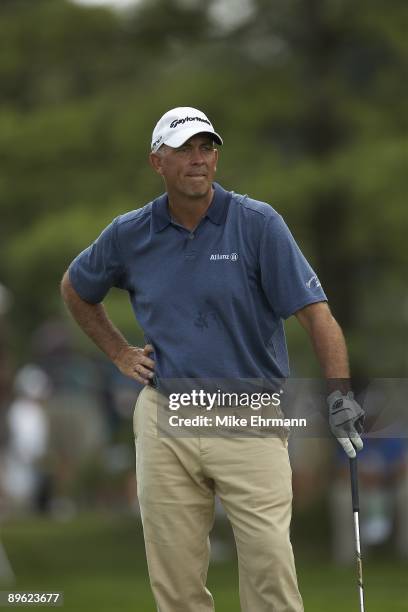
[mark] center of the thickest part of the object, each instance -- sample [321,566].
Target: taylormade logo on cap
[179,124]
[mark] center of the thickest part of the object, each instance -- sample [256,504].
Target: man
[211,275]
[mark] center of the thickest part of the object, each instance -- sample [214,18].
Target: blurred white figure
[7,575]
[28,431]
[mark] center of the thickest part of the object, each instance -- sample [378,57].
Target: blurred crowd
[66,429]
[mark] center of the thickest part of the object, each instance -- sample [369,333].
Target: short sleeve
[288,280]
[98,268]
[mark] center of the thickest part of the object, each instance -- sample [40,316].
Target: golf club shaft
[356,510]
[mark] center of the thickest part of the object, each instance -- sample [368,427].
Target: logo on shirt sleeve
[313,283]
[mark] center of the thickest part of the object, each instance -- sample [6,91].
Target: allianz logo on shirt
[223,257]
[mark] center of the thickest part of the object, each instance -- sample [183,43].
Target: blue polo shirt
[211,301]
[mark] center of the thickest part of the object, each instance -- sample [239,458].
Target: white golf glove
[346,421]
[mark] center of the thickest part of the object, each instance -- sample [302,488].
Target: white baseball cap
[179,124]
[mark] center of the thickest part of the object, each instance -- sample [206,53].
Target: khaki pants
[177,479]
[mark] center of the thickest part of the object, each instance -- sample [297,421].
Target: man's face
[188,170]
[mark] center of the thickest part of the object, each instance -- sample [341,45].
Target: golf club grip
[354,484]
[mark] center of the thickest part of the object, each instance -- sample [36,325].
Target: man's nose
[197,156]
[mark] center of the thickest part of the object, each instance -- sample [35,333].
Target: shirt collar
[160,213]
[217,211]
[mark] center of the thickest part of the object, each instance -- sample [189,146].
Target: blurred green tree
[310,97]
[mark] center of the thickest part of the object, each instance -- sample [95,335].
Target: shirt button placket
[190,251]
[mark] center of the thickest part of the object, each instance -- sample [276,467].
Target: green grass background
[98,562]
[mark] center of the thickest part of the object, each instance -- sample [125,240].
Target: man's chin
[198,194]
[200,190]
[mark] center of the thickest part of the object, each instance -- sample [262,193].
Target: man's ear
[156,163]
[216,159]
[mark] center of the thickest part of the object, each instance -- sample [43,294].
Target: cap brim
[176,140]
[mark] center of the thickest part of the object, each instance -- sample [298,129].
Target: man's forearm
[345,415]
[328,343]
[330,348]
[94,321]
[331,351]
